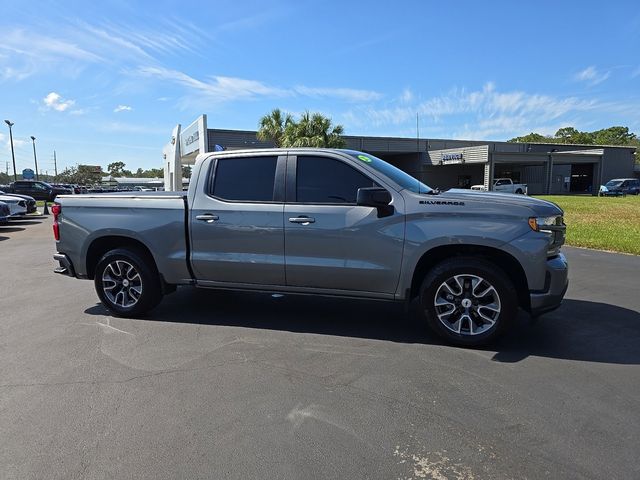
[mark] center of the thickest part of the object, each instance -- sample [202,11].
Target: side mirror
[373,197]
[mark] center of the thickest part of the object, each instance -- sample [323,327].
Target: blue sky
[106,81]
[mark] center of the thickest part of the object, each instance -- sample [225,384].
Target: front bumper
[556,284]
[613,193]
[66,267]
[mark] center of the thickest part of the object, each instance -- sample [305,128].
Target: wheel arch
[502,259]
[102,245]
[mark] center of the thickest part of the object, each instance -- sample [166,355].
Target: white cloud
[67,47]
[223,89]
[122,108]
[481,113]
[54,101]
[406,96]
[23,54]
[31,44]
[18,144]
[218,89]
[487,102]
[591,75]
[348,94]
[16,74]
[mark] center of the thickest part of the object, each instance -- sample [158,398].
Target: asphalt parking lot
[225,385]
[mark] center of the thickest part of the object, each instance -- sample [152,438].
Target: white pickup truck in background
[504,185]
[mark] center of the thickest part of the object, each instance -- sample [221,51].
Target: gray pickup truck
[324,222]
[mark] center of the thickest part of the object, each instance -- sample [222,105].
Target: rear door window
[244,179]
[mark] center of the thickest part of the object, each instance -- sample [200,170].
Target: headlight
[546,224]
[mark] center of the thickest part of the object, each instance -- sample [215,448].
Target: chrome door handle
[303,219]
[207,217]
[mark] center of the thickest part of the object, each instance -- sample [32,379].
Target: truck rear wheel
[468,301]
[127,282]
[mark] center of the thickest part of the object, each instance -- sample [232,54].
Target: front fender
[427,231]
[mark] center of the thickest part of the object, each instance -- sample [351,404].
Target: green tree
[614,136]
[273,126]
[533,138]
[186,171]
[569,135]
[313,130]
[154,173]
[151,173]
[5,179]
[116,169]
[81,175]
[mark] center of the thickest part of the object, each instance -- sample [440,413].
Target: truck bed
[158,220]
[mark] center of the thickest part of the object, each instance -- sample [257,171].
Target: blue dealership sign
[27,174]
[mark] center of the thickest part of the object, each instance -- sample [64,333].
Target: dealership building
[547,168]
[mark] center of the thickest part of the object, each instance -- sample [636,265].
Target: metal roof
[593,151]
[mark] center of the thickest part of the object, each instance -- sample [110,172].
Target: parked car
[5,212]
[38,190]
[77,189]
[17,206]
[620,187]
[31,202]
[354,225]
[504,185]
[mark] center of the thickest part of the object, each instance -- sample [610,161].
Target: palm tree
[273,126]
[313,130]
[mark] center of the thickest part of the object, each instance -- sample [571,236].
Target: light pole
[35,159]
[13,155]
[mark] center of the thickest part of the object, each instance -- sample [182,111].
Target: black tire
[137,291]
[519,192]
[472,330]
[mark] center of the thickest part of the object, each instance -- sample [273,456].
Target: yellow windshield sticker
[364,158]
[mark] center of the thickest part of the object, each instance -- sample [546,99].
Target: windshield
[613,183]
[403,179]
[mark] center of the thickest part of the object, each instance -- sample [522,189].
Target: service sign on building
[452,158]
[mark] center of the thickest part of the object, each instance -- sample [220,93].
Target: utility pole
[55,164]
[13,155]
[35,159]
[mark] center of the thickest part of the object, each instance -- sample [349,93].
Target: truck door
[330,242]
[236,221]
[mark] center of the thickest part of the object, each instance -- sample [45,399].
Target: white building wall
[171,162]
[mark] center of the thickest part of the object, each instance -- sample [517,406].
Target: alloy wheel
[121,283]
[467,304]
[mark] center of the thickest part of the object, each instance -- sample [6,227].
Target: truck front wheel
[468,301]
[127,282]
